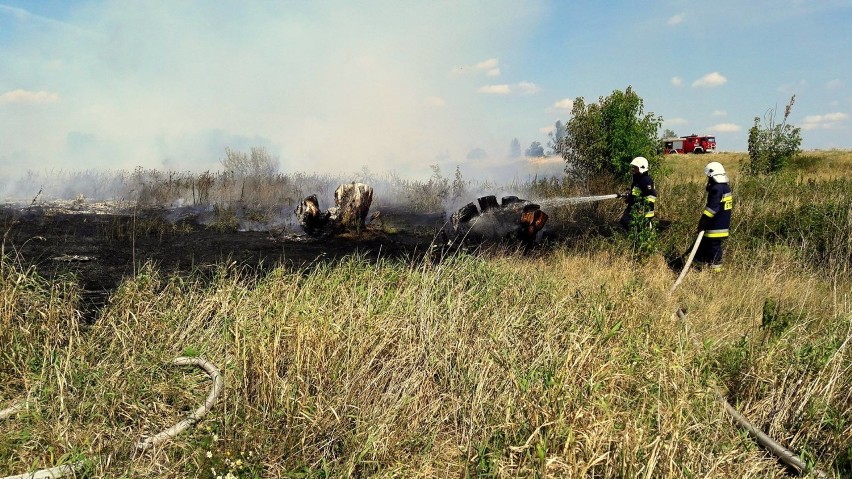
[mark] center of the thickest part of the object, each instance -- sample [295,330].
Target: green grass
[564,363]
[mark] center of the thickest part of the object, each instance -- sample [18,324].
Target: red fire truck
[690,144]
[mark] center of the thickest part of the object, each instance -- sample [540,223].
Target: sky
[337,86]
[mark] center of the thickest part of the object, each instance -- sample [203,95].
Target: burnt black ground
[101,249]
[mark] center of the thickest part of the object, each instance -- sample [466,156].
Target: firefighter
[641,192]
[716,217]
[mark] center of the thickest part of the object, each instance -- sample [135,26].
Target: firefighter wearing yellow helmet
[716,218]
[641,192]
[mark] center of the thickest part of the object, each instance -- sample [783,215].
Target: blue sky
[333,86]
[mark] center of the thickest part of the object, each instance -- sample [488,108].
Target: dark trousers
[625,219]
[710,252]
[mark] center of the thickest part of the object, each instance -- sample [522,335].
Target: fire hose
[12,410]
[562,201]
[785,455]
[71,468]
[218,385]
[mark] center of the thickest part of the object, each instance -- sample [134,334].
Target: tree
[602,138]
[771,147]
[515,148]
[669,134]
[557,137]
[535,150]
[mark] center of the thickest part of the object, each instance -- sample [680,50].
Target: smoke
[325,87]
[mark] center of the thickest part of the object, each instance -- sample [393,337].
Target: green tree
[602,138]
[667,133]
[772,146]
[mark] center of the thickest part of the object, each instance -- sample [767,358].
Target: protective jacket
[642,189]
[716,217]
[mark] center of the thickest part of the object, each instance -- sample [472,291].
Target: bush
[642,233]
[602,138]
[773,146]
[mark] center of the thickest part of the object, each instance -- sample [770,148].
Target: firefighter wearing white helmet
[642,193]
[716,218]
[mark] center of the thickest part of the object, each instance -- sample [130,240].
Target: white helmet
[715,170]
[640,162]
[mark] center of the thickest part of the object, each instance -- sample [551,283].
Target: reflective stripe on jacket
[642,189]
[716,217]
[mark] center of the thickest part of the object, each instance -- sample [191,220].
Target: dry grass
[491,368]
[566,364]
[817,165]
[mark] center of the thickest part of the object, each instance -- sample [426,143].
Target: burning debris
[352,202]
[511,219]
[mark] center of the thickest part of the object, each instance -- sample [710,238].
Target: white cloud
[523,88]
[565,104]
[677,81]
[496,89]
[676,121]
[710,80]
[833,84]
[725,128]
[837,116]
[489,64]
[676,19]
[528,88]
[490,67]
[824,122]
[26,96]
[720,113]
[434,102]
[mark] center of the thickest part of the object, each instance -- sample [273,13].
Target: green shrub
[602,138]
[775,320]
[642,233]
[773,145]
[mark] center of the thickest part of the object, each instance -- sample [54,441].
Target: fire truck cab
[689,144]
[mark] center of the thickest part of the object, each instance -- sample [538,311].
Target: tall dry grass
[563,363]
[568,365]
